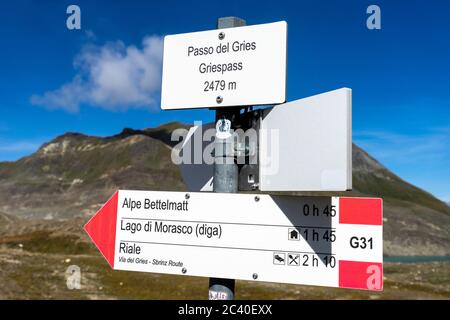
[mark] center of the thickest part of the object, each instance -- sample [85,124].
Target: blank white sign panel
[306,145]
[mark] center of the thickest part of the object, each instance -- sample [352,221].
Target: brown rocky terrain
[46,198]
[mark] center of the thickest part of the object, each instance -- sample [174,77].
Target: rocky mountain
[71,176]
[415,222]
[74,174]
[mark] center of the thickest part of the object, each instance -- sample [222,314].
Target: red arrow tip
[102,228]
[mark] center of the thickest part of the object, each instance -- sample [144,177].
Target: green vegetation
[70,177]
[45,242]
[394,188]
[42,276]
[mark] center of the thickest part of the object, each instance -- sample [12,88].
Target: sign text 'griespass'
[226,67]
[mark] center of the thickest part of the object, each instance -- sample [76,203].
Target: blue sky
[400,75]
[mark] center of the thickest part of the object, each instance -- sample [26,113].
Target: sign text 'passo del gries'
[225,67]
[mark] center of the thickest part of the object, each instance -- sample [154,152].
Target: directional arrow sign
[326,241]
[227,67]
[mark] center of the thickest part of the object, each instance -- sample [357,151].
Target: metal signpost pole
[225,169]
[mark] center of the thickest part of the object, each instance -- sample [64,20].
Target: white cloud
[90,35]
[430,146]
[113,77]
[19,146]
[422,158]
[14,149]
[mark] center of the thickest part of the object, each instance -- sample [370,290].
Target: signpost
[324,241]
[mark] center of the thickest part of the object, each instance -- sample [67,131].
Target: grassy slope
[52,244]
[23,278]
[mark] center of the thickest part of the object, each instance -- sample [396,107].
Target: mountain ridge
[71,176]
[382,182]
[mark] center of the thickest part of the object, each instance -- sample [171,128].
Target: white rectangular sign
[306,144]
[326,241]
[225,67]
